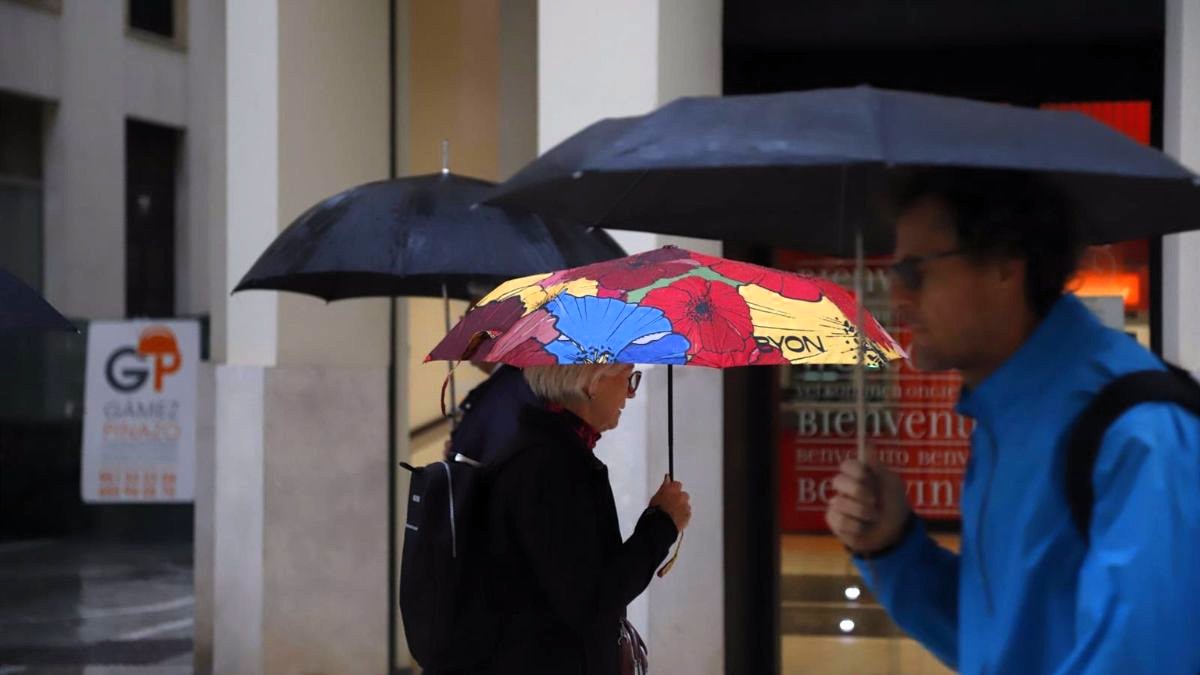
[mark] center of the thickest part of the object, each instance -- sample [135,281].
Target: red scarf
[585,431]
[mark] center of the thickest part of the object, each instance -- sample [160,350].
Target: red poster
[910,425]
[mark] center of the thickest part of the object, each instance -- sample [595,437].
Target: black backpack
[1174,385]
[443,577]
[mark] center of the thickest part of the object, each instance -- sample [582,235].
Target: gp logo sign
[128,368]
[139,423]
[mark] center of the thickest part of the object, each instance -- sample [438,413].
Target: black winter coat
[562,577]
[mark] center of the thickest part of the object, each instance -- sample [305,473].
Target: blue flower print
[607,330]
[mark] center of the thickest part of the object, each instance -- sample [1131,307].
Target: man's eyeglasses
[635,379]
[908,269]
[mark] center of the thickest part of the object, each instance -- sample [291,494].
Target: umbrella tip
[445,156]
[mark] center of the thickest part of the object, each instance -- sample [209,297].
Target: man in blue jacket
[982,261]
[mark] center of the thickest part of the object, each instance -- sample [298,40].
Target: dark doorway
[151,157]
[21,188]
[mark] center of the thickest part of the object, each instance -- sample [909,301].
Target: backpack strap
[1174,385]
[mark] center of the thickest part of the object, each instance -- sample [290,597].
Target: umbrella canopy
[21,308]
[668,306]
[805,169]
[409,236]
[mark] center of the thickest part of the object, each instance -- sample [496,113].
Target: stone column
[1181,135]
[300,509]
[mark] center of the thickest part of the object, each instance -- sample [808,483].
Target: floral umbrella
[668,306]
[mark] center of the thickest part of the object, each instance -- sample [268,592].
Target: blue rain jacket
[1027,594]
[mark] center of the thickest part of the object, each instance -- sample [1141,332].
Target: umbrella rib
[767,310]
[832,322]
[617,202]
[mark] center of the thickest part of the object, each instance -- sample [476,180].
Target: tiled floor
[77,606]
[816,570]
[857,656]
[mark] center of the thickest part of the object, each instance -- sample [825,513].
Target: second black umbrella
[417,236]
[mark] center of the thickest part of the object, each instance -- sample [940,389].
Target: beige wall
[333,133]
[454,86]
[453,92]
[518,84]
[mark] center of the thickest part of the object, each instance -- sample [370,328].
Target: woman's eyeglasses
[635,378]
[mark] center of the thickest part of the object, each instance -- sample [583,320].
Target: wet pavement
[78,606]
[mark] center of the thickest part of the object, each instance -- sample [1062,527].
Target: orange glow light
[1125,284]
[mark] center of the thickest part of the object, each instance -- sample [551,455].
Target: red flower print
[786,284]
[712,316]
[800,287]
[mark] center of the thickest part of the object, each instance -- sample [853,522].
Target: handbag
[633,656]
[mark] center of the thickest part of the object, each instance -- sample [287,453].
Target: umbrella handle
[662,571]
[448,382]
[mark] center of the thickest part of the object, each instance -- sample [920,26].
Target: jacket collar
[562,423]
[1036,363]
[584,431]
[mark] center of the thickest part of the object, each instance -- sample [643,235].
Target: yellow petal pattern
[533,295]
[808,333]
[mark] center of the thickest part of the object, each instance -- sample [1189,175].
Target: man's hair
[1004,214]
[564,384]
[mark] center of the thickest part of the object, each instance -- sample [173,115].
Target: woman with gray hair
[562,576]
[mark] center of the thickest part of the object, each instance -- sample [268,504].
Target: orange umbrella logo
[159,343]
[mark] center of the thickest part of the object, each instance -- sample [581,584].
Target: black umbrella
[803,169]
[21,308]
[417,236]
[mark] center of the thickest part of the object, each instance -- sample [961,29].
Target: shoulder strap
[1174,385]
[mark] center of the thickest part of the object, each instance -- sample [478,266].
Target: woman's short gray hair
[563,384]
